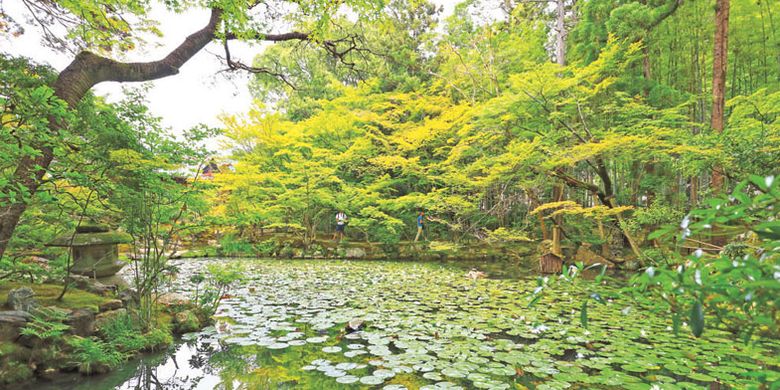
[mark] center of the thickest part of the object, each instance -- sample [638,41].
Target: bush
[123,334]
[231,245]
[740,285]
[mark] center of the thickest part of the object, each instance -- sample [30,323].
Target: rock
[22,299]
[36,260]
[116,282]
[91,285]
[94,368]
[355,253]
[11,322]
[588,257]
[355,325]
[172,299]
[103,318]
[111,305]
[128,297]
[185,322]
[48,374]
[82,322]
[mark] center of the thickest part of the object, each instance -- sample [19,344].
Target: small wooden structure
[549,262]
[94,250]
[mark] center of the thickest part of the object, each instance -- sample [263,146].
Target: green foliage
[738,286]
[233,246]
[124,334]
[89,352]
[220,278]
[47,324]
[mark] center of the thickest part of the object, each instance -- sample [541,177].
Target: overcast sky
[198,94]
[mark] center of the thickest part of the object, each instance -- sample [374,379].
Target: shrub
[740,284]
[124,335]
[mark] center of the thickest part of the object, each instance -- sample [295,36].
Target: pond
[427,326]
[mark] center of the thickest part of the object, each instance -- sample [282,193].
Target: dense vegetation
[649,130]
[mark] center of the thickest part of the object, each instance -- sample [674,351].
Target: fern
[46,324]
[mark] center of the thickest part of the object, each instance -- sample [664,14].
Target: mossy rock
[12,371]
[185,322]
[46,295]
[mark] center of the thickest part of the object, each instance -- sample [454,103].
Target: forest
[423,195]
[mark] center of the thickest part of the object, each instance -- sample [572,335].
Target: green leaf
[584,314]
[697,319]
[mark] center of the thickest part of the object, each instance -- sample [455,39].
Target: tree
[100,27]
[719,65]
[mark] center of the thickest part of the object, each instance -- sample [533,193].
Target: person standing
[341,223]
[421,226]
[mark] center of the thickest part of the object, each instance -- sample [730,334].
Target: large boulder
[82,322]
[22,299]
[11,323]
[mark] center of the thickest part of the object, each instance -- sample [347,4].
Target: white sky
[198,94]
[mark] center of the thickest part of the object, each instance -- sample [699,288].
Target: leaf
[584,314]
[697,319]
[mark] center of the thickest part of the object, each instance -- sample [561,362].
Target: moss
[85,239]
[46,295]
[186,322]
[14,351]
[12,371]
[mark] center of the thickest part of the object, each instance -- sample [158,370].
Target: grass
[46,295]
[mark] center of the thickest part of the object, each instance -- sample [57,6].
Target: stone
[36,260]
[22,299]
[82,322]
[355,325]
[588,257]
[111,305]
[94,369]
[94,249]
[91,285]
[11,322]
[172,299]
[128,297]
[118,282]
[355,253]
[185,322]
[48,374]
[106,317]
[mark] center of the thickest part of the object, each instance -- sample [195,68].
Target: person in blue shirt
[421,226]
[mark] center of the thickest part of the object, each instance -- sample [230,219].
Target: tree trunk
[560,58]
[719,63]
[560,37]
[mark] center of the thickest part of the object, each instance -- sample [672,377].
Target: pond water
[427,326]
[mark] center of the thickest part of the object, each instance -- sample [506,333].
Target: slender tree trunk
[560,58]
[719,63]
